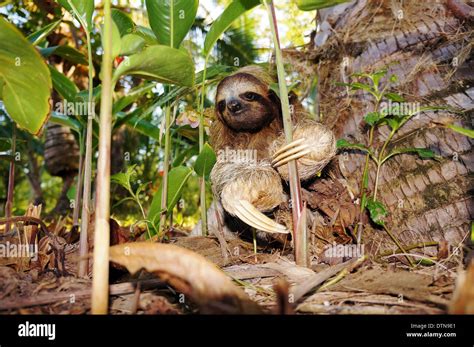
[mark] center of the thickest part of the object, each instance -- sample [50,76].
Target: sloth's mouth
[238,113]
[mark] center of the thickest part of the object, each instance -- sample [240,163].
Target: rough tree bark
[428,45]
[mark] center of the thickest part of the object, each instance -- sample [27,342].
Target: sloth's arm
[313,146]
[246,190]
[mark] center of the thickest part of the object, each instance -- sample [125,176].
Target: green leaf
[70,122]
[85,9]
[63,85]
[359,85]
[393,122]
[373,118]
[67,52]
[147,34]
[171,19]
[423,153]
[182,157]
[205,161]
[27,80]
[144,127]
[393,79]
[131,44]
[5,144]
[160,63]
[310,5]
[123,21]
[71,193]
[83,95]
[394,97]
[377,211]
[214,72]
[37,37]
[177,178]
[116,40]
[222,23]
[124,178]
[461,130]
[343,143]
[376,76]
[131,96]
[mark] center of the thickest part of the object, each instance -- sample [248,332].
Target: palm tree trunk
[428,45]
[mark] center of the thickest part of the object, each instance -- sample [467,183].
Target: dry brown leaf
[463,297]
[189,272]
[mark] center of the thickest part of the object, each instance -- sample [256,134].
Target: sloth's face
[244,103]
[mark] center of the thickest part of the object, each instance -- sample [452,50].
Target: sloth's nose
[234,105]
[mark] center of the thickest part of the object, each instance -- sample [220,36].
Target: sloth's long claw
[292,151]
[288,146]
[253,217]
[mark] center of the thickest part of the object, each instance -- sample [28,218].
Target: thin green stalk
[299,233]
[202,180]
[380,162]
[100,279]
[78,196]
[86,194]
[11,180]
[365,174]
[166,160]
[377,175]
[399,245]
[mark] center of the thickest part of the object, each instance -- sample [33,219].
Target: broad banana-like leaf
[26,80]
[171,19]
[160,63]
[310,5]
[221,24]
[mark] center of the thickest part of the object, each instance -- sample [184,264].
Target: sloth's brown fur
[221,136]
[258,182]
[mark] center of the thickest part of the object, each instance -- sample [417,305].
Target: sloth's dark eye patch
[249,96]
[221,106]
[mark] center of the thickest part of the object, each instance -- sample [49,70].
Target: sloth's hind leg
[247,190]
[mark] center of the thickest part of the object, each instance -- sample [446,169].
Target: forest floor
[356,286]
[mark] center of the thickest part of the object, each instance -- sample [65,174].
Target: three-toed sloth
[251,171]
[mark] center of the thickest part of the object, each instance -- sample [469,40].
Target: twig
[302,289]
[44,299]
[409,248]
[343,273]
[27,219]
[399,245]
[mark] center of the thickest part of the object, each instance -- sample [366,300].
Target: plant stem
[166,161]
[102,228]
[254,235]
[399,245]
[78,197]
[202,180]
[377,180]
[86,194]
[299,233]
[409,248]
[380,162]
[365,174]
[11,179]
